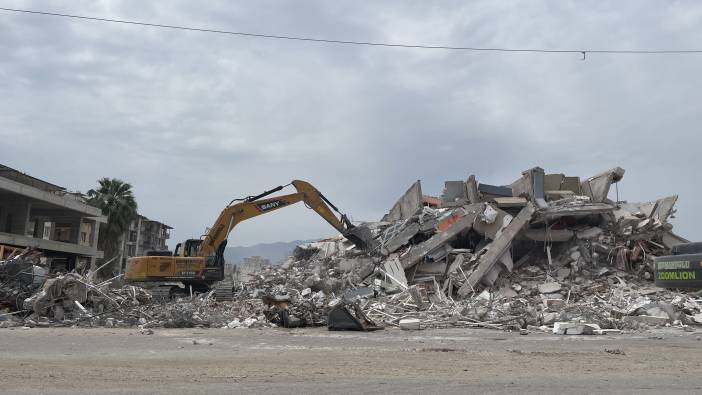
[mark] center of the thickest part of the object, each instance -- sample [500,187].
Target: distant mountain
[275,252]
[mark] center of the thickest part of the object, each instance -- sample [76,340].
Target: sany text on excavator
[199,263]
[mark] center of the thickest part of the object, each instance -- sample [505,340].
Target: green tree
[116,200]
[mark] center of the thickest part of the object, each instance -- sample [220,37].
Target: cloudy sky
[194,120]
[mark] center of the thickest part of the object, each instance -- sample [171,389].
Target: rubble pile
[69,299]
[546,252]
[547,248]
[20,276]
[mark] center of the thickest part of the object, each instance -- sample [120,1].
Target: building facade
[143,236]
[39,214]
[251,265]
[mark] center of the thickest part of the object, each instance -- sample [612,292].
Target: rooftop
[26,179]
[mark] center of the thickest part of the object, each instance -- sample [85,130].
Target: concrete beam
[597,187]
[417,253]
[472,190]
[497,248]
[38,194]
[50,245]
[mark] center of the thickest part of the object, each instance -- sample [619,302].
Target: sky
[193,120]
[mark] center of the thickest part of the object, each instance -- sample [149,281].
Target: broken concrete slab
[454,194]
[494,190]
[548,234]
[645,319]
[506,202]
[664,208]
[452,229]
[492,221]
[589,233]
[497,248]
[401,238]
[597,187]
[571,184]
[574,328]
[410,324]
[549,287]
[554,212]
[552,182]
[394,271]
[407,205]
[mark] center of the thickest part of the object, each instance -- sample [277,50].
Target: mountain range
[275,252]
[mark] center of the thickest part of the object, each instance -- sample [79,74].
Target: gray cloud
[194,120]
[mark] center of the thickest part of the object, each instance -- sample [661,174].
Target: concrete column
[138,238]
[121,250]
[96,234]
[25,218]
[75,230]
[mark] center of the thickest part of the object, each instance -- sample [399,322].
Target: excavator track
[162,291]
[224,291]
[169,291]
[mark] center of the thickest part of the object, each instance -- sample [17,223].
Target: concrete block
[550,287]
[510,201]
[410,324]
[574,328]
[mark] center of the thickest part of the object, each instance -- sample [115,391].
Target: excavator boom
[198,263]
[256,205]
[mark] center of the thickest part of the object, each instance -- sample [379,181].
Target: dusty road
[218,361]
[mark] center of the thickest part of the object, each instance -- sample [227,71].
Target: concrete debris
[546,252]
[549,288]
[574,328]
[410,324]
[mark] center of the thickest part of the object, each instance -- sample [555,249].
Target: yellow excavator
[197,264]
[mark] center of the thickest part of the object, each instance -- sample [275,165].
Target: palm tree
[116,200]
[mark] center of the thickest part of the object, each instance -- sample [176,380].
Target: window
[63,232]
[83,237]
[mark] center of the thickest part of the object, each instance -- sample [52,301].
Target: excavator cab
[191,248]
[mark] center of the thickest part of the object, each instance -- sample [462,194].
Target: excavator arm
[253,206]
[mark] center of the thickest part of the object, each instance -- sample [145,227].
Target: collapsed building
[548,252]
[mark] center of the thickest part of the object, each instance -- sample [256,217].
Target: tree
[116,200]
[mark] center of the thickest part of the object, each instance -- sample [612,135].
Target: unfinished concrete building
[144,236]
[250,266]
[37,213]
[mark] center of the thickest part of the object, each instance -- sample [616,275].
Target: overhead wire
[583,52]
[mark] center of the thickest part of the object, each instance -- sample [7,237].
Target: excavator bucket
[350,317]
[361,237]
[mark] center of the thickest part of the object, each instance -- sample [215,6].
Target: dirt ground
[221,361]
